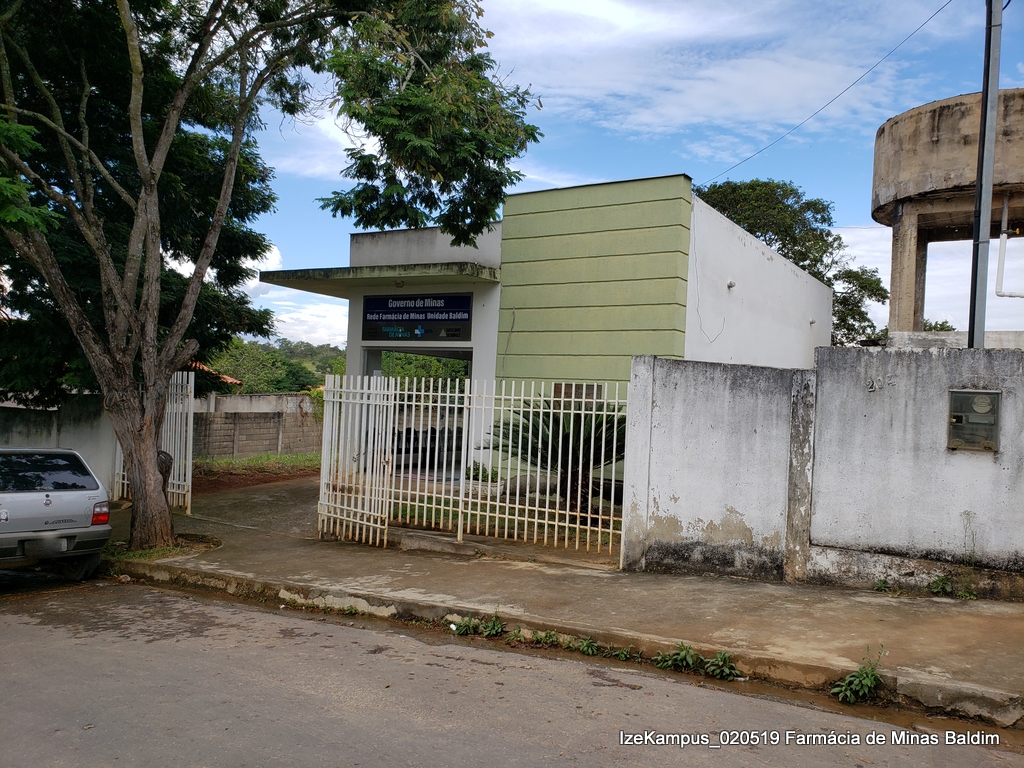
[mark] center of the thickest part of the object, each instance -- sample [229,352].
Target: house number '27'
[876,384]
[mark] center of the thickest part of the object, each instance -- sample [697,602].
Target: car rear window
[38,471]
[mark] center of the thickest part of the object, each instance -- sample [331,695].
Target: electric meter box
[973,420]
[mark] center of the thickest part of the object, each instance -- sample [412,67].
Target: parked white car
[54,511]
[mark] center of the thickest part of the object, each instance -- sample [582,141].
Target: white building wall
[484,342]
[774,314]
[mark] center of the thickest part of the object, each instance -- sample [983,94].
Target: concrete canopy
[341,281]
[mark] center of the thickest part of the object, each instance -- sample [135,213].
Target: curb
[975,702]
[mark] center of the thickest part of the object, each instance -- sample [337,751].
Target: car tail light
[101,513]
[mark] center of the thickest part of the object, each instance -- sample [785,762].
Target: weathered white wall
[953,339]
[81,425]
[836,475]
[884,480]
[422,246]
[484,343]
[272,403]
[706,470]
[766,317]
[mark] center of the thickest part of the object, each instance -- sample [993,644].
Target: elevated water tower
[926,162]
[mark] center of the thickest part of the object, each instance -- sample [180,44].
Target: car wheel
[78,568]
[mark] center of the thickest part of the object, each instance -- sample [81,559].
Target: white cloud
[313,150]
[871,246]
[542,177]
[947,278]
[649,66]
[318,321]
[253,287]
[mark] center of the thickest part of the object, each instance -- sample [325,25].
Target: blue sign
[429,319]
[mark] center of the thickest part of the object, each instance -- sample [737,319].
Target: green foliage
[588,647]
[406,365]
[448,128]
[261,464]
[682,659]
[862,684]
[721,667]
[966,593]
[571,437]
[263,369]
[319,358]
[515,636]
[316,396]
[941,585]
[477,471]
[468,626]
[799,228]
[624,654]
[546,638]
[493,627]
[938,325]
[19,210]
[882,585]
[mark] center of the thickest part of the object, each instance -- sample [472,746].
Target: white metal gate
[534,462]
[176,439]
[356,470]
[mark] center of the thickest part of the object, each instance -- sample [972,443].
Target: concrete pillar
[906,283]
[374,364]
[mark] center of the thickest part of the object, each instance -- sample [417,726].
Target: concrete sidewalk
[966,658]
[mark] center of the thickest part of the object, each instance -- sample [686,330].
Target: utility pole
[983,182]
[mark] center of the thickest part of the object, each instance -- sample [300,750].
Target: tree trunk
[577,482]
[138,429]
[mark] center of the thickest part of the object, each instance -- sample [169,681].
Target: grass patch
[186,544]
[263,464]
[118,551]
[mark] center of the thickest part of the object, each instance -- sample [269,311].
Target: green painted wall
[591,276]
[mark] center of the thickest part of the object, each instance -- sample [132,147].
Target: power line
[833,99]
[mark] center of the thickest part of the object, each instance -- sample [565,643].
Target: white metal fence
[534,462]
[176,439]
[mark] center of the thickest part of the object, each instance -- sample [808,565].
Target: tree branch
[34,249]
[69,158]
[110,280]
[93,158]
[171,354]
[131,32]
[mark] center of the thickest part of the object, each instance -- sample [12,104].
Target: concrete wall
[80,424]
[837,475]
[774,313]
[271,403]
[422,246]
[953,339]
[591,276]
[706,471]
[884,480]
[239,434]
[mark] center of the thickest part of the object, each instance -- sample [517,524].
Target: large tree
[98,96]
[800,229]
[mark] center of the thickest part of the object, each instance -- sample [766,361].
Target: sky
[640,88]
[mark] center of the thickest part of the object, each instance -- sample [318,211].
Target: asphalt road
[110,674]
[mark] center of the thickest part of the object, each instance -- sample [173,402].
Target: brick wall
[248,434]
